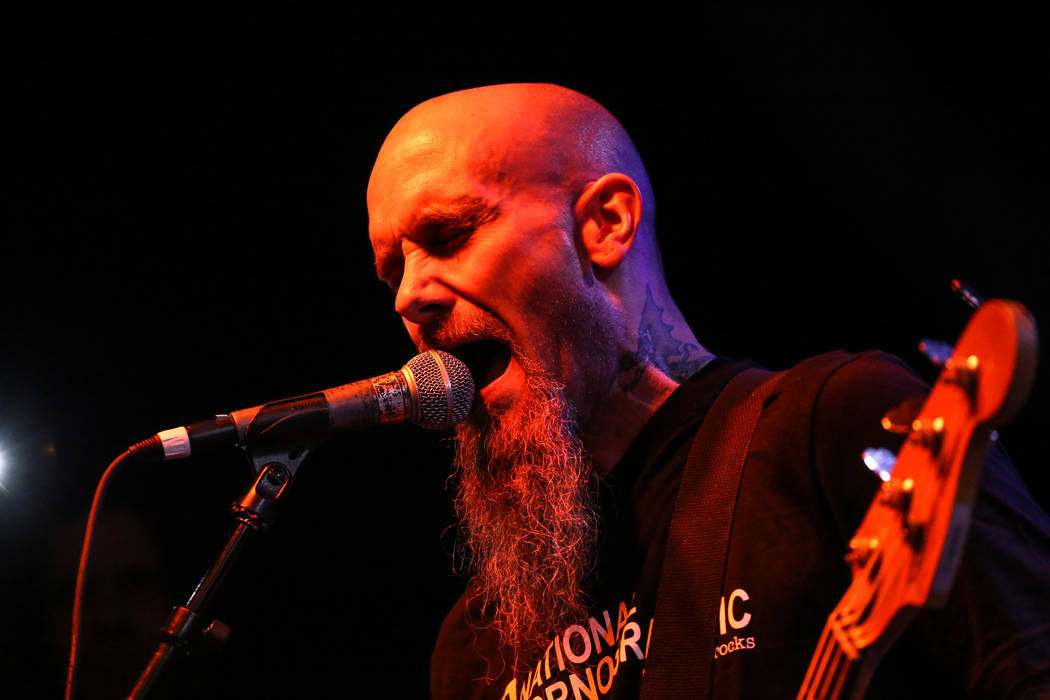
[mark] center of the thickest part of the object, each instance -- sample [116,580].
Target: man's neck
[638,392]
[659,351]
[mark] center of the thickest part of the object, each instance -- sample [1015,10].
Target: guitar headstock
[906,550]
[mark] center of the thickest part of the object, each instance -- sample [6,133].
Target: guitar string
[805,691]
[835,663]
[827,667]
[819,663]
[828,649]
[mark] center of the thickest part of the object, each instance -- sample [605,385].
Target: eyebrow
[465,211]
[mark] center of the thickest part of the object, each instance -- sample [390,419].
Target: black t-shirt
[803,493]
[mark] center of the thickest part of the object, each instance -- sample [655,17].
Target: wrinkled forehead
[402,159]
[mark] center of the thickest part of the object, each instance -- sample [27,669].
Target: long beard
[526,505]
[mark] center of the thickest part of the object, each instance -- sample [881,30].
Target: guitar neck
[833,668]
[905,553]
[848,653]
[838,670]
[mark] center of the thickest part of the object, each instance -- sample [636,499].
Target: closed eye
[441,228]
[444,227]
[449,240]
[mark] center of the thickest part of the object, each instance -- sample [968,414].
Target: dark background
[184,233]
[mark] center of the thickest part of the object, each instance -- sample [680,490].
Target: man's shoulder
[840,392]
[849,369]
[840,386]
[838,370]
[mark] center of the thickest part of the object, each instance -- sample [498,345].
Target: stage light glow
[3,470]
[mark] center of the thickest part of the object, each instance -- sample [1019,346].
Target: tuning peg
[936,351]
[879,460]
[861,549]
[967,294]
[963,373]
[897,494]
[928,433]
[899,419]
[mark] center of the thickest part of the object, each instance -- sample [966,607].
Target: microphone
[434,390]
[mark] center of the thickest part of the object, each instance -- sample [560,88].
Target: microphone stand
[256,509]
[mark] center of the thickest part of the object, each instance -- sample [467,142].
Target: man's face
[482,259]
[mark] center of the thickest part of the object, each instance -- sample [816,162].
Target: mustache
[451,329]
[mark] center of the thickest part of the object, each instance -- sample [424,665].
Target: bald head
[513,135]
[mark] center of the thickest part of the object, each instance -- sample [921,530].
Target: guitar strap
[681,655]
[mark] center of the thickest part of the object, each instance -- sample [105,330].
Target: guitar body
[905,553]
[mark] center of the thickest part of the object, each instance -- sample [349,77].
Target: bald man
[514,224]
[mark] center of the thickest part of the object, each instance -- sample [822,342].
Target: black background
[185,234]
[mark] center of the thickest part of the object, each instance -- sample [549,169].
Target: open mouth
[486,359]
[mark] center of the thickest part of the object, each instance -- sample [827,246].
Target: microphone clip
[275,464]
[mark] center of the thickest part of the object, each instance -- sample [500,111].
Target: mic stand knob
[215,636]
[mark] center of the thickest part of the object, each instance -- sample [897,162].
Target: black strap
[681,653]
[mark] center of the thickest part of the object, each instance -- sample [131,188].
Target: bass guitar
[904,555]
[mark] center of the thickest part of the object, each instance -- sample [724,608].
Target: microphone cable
[85,556]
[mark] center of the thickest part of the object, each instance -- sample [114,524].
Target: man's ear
[607,214]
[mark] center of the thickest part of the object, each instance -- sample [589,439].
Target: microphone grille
[444,386]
